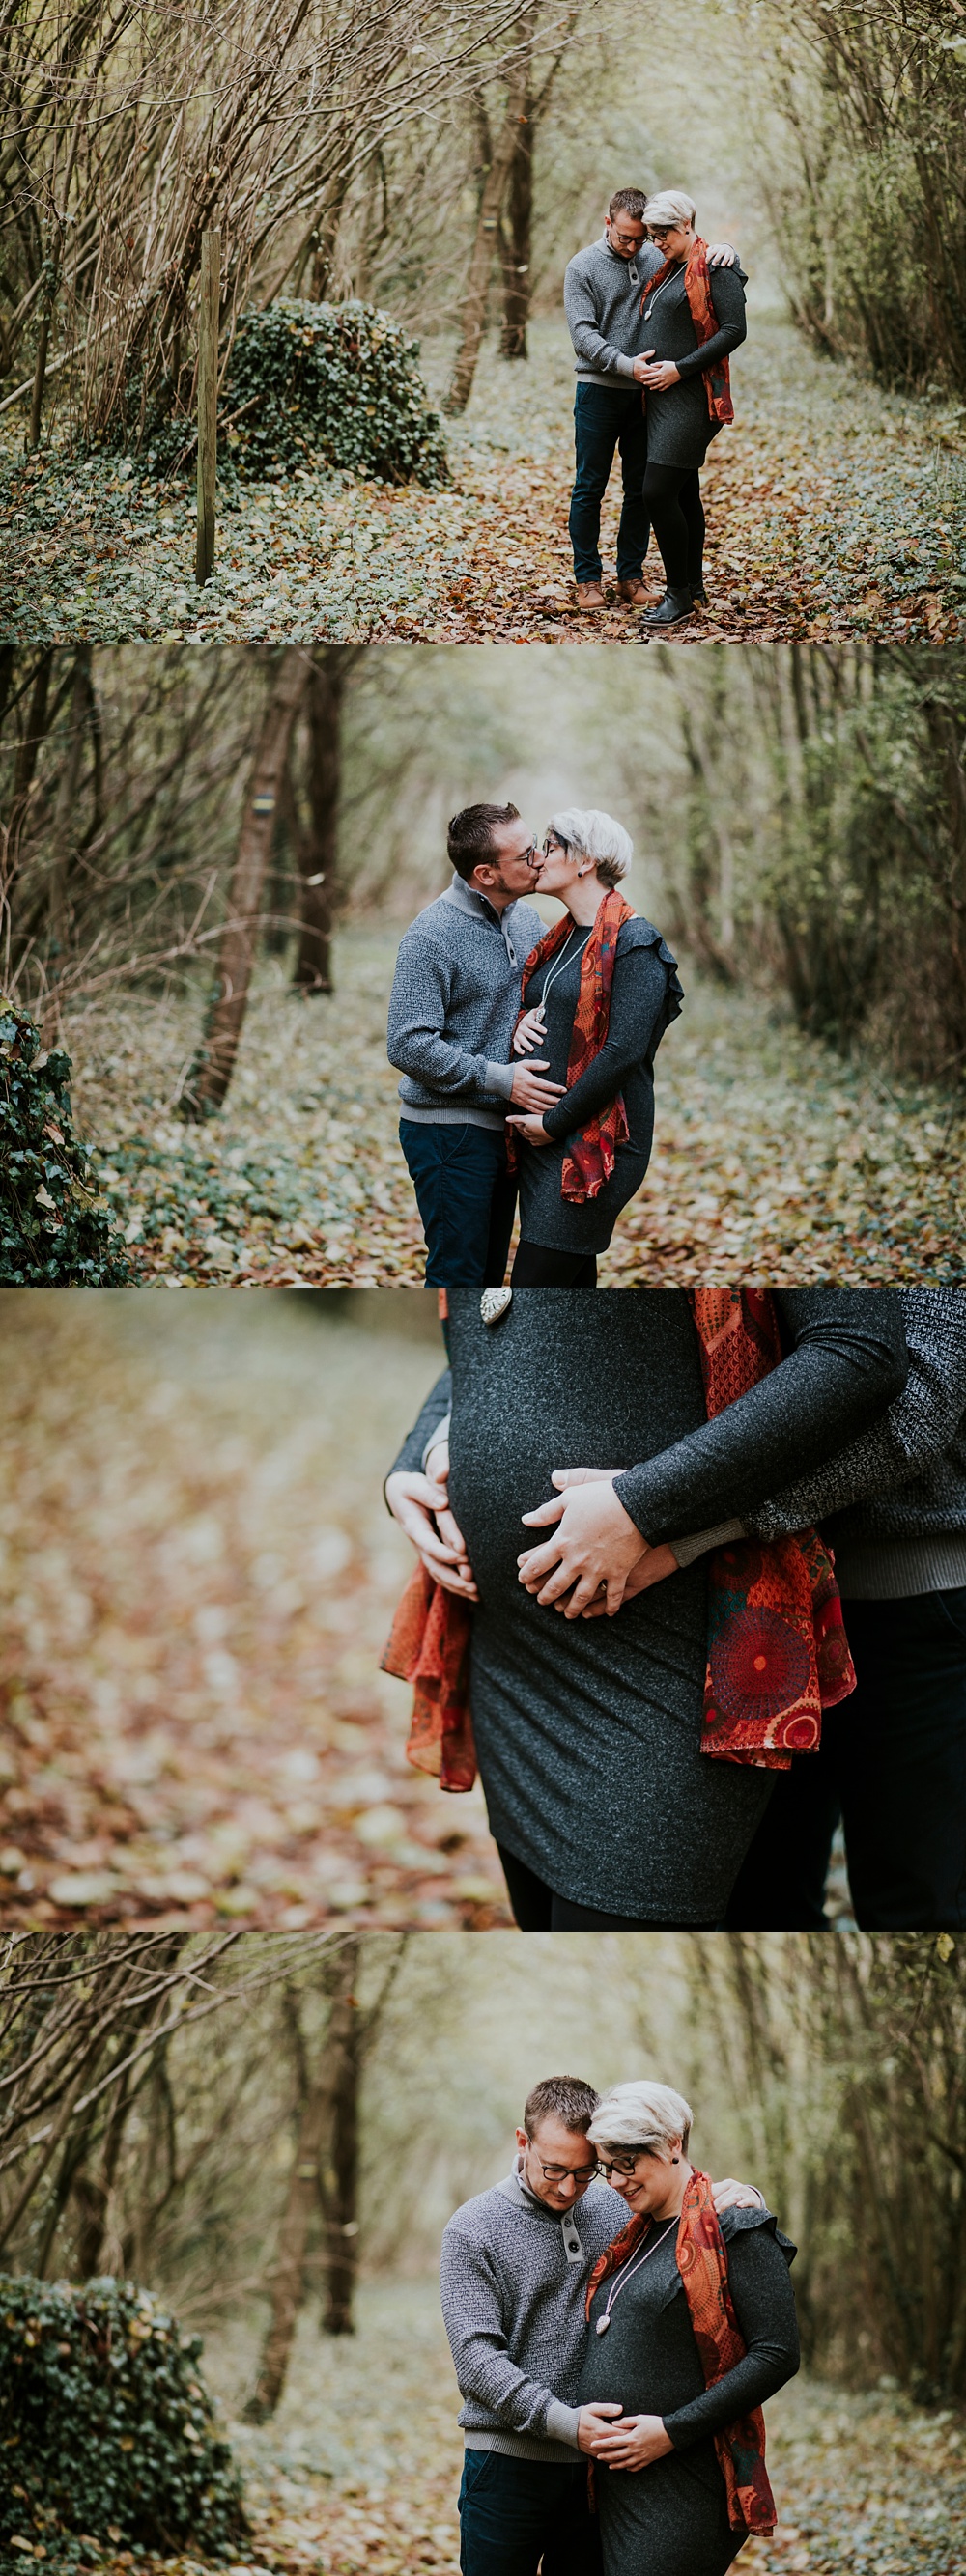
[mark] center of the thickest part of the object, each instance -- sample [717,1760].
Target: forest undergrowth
[835,510]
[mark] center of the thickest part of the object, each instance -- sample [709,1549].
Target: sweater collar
[466,899]
[515,2189]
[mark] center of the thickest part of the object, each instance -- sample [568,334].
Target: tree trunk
[214,1064]
[346,2052]
[316,848]
[64,823]
[305,2188]
[515,238]
[473,315]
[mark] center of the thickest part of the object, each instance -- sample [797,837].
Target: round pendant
[494,1303]
[602,2324]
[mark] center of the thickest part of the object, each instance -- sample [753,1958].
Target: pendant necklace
[627,2273]
[553,971]
[494,1303]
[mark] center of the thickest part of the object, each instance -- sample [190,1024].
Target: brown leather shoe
[635,593]
[589,594]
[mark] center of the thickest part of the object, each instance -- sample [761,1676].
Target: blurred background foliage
[799,815]
[244,2122]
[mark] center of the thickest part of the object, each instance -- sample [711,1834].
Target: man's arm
[415,1040]
[582,323]
[915,1432]
[477,2341]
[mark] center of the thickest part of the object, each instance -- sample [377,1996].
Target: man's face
[514,867]
[625,233]
[571,2160]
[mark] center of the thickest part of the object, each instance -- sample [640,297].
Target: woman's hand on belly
[633,2443]
[531,1126]
[594,1548]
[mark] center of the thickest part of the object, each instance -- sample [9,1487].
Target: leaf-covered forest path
[834,511]
[773,1158]
[359,2470]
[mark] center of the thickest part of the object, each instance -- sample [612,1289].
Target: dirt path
[834,510]
[361,2468]
[773,1157]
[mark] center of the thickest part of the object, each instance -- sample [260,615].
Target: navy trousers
[513,2513]
[466,1199]
[605,421]
[892,1766]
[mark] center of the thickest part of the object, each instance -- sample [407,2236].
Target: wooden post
[207,402]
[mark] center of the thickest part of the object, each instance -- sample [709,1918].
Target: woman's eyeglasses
[554,842]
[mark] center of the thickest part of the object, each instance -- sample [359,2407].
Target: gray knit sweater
[893,1504]
[453,1007]
[513,2279]
[602,302]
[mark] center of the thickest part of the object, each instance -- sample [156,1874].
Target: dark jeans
[466,1198]
[604,421]
[673,500]
[892,1764]
[515,2512]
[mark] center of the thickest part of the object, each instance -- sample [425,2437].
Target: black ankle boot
[670,610]
[699,597]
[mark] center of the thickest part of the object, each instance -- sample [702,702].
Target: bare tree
[210,1075]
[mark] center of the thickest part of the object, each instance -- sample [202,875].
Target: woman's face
[672,240]
[645,2181]
[560,866]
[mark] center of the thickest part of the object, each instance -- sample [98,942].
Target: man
[892,1762]
[452,1011]
[603,288]
[513,2279]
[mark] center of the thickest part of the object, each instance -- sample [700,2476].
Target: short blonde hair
[673,206]
[641,2115]
[597,837]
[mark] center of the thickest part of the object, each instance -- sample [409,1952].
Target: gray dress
[645,998]
[671,2519]
[589,1732]
[679,423]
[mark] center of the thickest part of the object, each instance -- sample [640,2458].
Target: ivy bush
[55,1230]
[106,2427]
[322,384]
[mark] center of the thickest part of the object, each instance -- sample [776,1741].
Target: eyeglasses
[624,2165]
[580,2174]
[554,841]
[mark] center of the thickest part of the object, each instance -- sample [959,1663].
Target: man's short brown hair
[629,201]
[470,835]
[560,2097]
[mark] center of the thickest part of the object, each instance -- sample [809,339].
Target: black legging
[537,1909]
[536,1266]
[672,499]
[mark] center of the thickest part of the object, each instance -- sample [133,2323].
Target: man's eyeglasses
[581,2174]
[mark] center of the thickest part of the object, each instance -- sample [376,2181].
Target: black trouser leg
[663,486]
[535,1265]
[531,1901]
[693,508]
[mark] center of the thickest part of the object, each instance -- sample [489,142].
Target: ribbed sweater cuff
[563,2422]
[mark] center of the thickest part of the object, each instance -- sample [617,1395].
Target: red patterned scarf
[589,1159]
[703,2265]
[777,1650]
[697,287]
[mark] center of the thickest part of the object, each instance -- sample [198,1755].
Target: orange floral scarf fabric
[777,1649]
[703,2265]
[589,1158]
[697,287]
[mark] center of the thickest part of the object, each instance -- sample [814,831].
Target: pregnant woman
[692,2325]
[598,993]
[693,316]
[607,1807]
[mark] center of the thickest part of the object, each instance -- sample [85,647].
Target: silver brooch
[494,1303]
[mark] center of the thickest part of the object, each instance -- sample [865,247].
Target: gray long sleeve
[638,1005]
[728,298]
[434,1411]
[847,1363]
[472,2313]
[582,308]
[418,1040]
[764,2305]
[917,1430]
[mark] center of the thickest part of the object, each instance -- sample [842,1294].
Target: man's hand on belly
[594,2421]
[594,1548]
